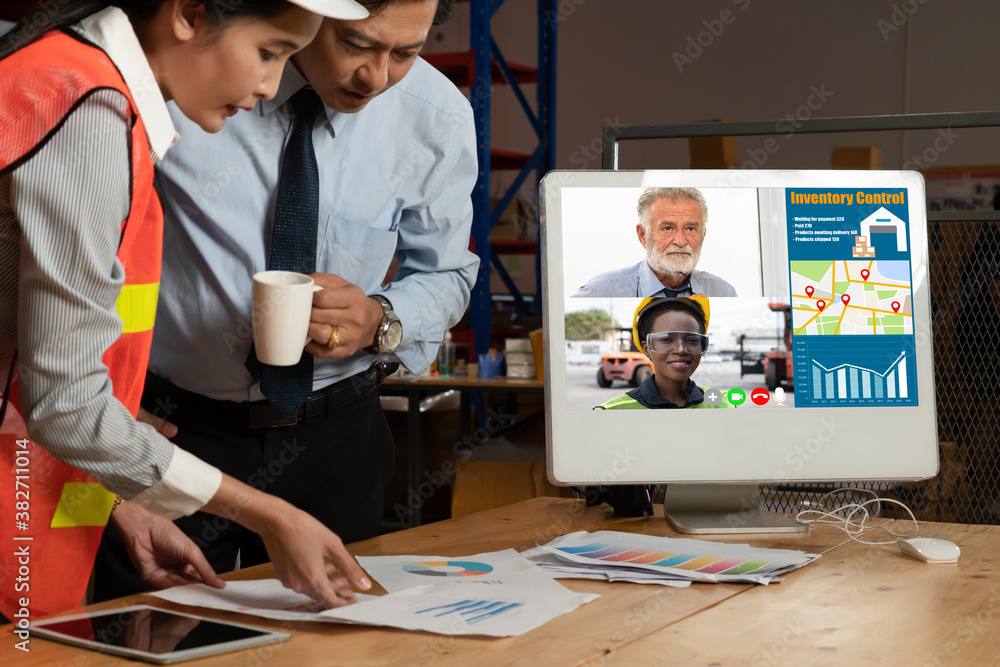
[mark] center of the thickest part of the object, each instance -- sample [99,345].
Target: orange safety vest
[52,515]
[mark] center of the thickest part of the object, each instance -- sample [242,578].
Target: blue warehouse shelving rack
[479,69]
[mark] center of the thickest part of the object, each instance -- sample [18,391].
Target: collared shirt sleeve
[70,200]
[437,271]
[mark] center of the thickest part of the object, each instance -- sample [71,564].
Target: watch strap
[389,316]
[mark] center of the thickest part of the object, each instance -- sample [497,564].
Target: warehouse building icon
[884,222]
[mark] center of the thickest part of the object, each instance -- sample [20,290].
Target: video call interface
[823,280]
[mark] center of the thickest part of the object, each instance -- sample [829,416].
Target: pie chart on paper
[448,568]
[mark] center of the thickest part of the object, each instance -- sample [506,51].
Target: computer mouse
[930,549]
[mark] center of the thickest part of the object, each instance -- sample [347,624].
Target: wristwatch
[390,329]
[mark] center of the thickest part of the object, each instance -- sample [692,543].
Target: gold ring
[336,338]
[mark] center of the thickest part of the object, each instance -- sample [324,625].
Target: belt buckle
[267,416]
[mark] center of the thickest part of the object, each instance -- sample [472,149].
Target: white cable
[852,517]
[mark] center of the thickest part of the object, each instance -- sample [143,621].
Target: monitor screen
[816,300]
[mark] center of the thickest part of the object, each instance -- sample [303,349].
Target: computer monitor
[825,352]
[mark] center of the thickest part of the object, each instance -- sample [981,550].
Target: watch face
[393,334]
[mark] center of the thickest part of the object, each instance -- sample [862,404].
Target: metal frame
[612,134]
[542,159]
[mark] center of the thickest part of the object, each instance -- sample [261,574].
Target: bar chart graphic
[472,611]
[879,371]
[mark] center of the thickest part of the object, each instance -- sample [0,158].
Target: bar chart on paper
[472,611]
[855,370]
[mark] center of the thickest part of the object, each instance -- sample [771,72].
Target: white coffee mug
[282,302]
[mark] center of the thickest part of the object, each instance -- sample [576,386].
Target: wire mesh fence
[965,313]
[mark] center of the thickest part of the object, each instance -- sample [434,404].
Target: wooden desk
[414,387]
[857,605]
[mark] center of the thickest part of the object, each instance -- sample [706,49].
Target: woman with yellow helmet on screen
[672,333]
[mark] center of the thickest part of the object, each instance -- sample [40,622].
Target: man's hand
[163,555]
[162,426]
[343,305]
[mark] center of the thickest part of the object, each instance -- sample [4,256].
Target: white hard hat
[335,9]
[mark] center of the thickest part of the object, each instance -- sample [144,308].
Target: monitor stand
[722,508]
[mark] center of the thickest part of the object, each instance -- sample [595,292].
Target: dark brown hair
[47,18]
[441,16]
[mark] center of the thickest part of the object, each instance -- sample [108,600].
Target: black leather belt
[167,400]
[264,415]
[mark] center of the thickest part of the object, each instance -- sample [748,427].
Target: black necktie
[293,243]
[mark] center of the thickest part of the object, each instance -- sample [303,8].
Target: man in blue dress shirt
[396,152]
[672,226]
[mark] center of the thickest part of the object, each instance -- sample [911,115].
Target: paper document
[396,573]
[266,598]
[644,558]
[495,610]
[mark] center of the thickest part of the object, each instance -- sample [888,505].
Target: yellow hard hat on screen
[701,302]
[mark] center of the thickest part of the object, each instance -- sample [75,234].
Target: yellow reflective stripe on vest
[83,504]
[137,306]
[622,402]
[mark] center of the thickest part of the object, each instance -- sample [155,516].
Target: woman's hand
[163,555]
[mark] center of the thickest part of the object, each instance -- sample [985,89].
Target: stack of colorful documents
[617,556]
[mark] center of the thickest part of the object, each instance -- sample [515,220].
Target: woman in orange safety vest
[83,116]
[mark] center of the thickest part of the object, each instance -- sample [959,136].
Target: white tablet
[152,634]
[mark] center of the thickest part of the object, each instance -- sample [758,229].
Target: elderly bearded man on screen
[672,226]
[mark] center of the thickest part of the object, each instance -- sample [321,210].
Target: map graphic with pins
[836,298]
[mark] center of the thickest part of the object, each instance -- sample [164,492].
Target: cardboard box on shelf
[520,359]
[517,345]
[517,223]
[713,152]
[522,371]
[536,349]
[857,157]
